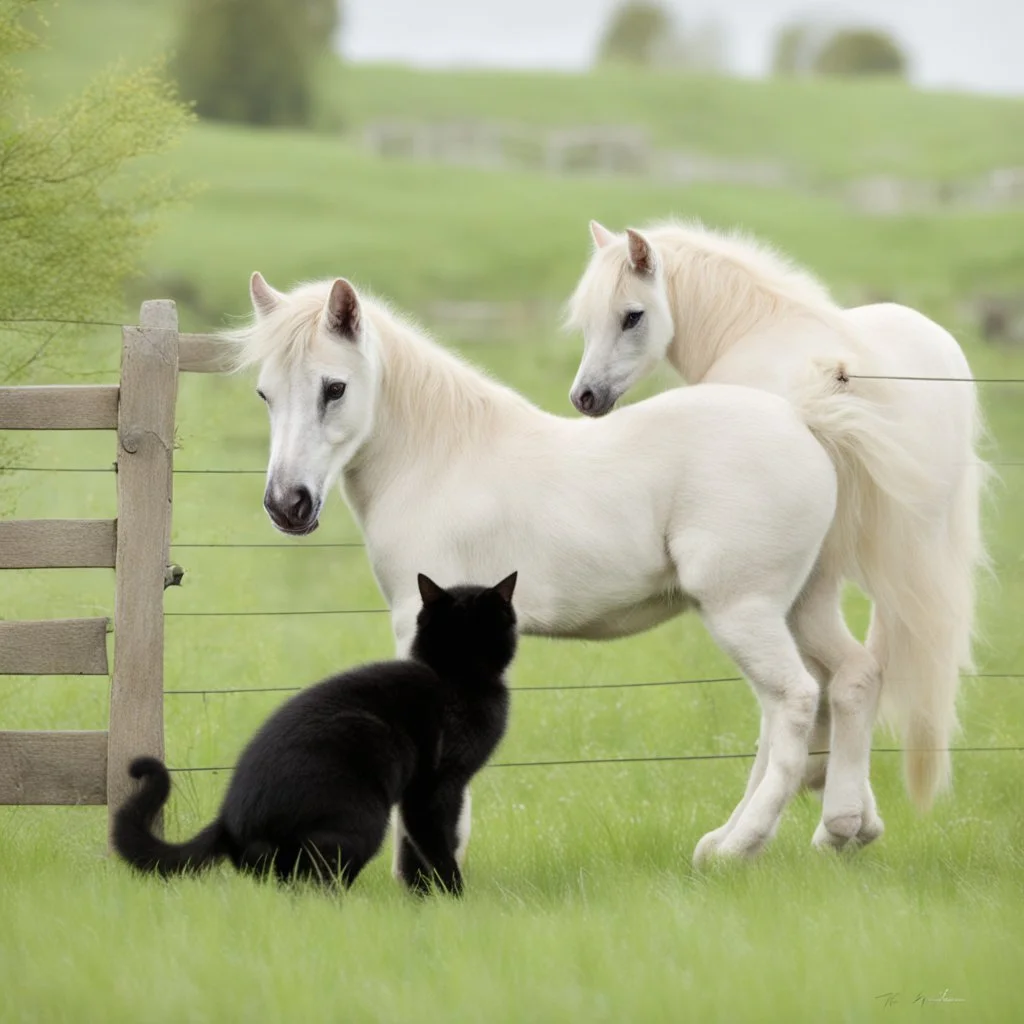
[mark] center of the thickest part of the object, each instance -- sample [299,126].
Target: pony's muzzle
[592,400]
[292,510]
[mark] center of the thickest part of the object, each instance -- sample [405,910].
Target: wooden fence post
[145,434]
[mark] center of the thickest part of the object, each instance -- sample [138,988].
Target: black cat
[313,790]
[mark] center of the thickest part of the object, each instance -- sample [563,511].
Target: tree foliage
[794,50]
[637,33]
[861,51]
[252,61]
[75,213]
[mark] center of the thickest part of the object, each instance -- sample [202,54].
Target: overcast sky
[961,44]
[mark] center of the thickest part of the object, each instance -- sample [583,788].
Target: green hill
[821,129]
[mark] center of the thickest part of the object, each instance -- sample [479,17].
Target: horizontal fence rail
[54,647]
[63,407]
[53,768]
[58,543]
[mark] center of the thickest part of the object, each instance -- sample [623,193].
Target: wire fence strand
[654,758]
[274,613]
[569,687]
[288,545]
[941,380]
[517,689]
[216,471]
[57,320]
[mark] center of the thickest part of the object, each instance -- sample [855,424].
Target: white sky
[976,45]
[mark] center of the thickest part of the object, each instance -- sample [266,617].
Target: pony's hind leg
[817,760]
[754,633]
[849,813]
[710,842]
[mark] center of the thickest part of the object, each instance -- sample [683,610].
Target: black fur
[313,790]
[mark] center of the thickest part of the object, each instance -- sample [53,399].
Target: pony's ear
[430,592]
[505,588]
[601,235]
[264,298]
[642,257]
[343,314]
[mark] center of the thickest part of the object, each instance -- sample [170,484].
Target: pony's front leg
[753,632]
[405,861]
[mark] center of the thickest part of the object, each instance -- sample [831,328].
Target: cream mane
[720,286]
[421,381]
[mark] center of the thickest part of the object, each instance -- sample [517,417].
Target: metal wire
[519,689]
[653,758]
[551,689]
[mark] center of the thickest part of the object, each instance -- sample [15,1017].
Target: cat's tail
[133,828]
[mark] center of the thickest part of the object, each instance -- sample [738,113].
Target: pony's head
[319,377]
[621,306]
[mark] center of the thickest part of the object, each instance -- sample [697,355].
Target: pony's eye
[333,390]
[632,318]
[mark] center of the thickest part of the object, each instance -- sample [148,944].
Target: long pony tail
[133,828]
[918,572]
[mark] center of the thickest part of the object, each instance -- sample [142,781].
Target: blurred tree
[645,34]
[74,222]
[253,60]
[861,51]
[638,32]
[793,53]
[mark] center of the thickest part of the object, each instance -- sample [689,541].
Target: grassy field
[582,904]
[821,131]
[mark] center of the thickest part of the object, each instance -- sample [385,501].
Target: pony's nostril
[587,400]
[302,505]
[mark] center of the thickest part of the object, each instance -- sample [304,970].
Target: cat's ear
[430,592]
[505,588]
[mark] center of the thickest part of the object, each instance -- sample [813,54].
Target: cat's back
[356,736]
[391,692]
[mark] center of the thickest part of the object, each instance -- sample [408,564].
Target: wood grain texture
[53,767]
[205,353]
[70,407]
[149,380]
[54,647]
[58,543]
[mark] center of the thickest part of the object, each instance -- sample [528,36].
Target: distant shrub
[252,61]
[637,33]
[861,51]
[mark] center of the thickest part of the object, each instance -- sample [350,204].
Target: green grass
[581,903]
[296,206]
[822,131]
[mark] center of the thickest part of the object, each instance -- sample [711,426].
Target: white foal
[721,308]
[613,525]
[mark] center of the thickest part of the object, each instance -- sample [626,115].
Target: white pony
[613,525]
[724,309]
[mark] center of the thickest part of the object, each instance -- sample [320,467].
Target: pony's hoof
[723,845]
[825,839]
[872,828]
[850,831]
[708,846]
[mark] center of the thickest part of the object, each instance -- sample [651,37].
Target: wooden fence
[91,767]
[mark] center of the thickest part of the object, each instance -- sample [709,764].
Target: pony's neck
[718,298]
[431,409]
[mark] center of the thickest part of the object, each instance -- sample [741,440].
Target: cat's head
[466,627]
